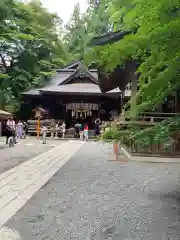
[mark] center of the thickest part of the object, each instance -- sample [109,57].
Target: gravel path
[91,198]
[28,148]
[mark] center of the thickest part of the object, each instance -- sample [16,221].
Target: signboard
[82,106]
[37,113]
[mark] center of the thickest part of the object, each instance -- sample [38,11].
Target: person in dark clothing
[25,129]
[76,126]
[97,127]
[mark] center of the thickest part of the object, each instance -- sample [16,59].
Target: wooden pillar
[38,128]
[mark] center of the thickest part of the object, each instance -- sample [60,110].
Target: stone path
[19,184]
[92,198]
[28,148]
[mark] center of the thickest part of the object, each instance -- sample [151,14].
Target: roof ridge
[69,77]
[65,70]
[71,64]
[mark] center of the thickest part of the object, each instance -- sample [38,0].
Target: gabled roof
[63,82]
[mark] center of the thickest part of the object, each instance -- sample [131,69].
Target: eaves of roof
[109,38]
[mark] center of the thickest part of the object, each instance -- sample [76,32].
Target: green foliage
[154,43]
[30,48]
[83,27]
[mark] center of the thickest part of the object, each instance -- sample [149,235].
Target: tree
[154,43]
[30,48]
[83,27]
[76,33]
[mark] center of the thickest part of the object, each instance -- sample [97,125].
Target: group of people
[17,130]
[55,128]
[81,131]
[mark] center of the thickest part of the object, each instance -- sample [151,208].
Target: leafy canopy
[154,43]
[30,48]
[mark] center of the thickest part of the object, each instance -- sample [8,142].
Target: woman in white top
[63,129]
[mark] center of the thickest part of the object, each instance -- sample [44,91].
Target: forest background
[35,42]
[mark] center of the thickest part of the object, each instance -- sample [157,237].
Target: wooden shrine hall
[73,94]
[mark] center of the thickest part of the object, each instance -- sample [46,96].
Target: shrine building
[73,94]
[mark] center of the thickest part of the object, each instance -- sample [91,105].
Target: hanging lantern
[90,113]
[81,114]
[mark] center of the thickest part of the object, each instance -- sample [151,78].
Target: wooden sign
[82,106]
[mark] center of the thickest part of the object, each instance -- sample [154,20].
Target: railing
[154,148]
[147,118]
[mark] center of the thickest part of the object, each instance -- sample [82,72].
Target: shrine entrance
[82,113]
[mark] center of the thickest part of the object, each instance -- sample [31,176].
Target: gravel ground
[92,198]
[28,148]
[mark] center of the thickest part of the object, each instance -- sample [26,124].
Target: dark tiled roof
[59,78]
[87,88]
[34,92]
[56,80]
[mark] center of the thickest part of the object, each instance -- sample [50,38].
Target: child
[86,132]
[44,133]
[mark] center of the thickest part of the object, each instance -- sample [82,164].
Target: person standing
[57,130]
[44,133]
[10,129]
[76,126]
[97,127]
[81,131]
[63,129]
[86,129]
[25,130]
[19,129]
[52,128]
